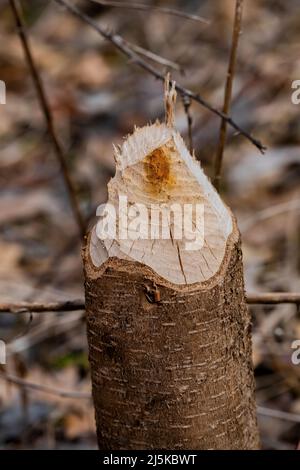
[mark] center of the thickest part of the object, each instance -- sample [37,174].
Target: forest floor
[97,97]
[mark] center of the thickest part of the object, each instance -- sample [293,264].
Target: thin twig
[38,307]
[154,57]
[292,417]
[187,104]
[143,7]
[43,388]
[271,211]
[274,298]
[120,44]
[51,327]
[278,414]
[228,91]
[73,305]
[47,114]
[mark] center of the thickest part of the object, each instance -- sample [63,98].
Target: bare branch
[120,44]
[154,57]
[228,91]
[43,388]
[187,104]
[38,307]
[47,114]
[72,305]
[143,7]
[278,414]
[274,298]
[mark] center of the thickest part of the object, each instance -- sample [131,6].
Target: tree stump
[168,326]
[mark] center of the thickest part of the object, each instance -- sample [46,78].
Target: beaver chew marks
[168,328]
[155,170]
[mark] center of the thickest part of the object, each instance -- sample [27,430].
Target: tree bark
[171,364]
[167,322]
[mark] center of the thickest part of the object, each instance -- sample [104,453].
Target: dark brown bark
[171,365]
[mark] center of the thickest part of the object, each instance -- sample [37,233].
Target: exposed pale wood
[183,183]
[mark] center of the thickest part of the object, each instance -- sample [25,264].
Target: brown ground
[97,97]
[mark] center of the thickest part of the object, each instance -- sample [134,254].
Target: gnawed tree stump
[168,327]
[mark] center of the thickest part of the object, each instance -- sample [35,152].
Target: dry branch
[278,414]
[43,388]
[154,57]
[121,45]
[41,94]
[261,410]
[144,7]
[73,305]
[187,105]
[38,307]
[274,298]
[228,90]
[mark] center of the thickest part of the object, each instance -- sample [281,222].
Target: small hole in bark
[110,346]
[153,402]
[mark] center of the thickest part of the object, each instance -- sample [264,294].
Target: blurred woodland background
[97,96]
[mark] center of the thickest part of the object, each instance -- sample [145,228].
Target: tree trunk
[168,328]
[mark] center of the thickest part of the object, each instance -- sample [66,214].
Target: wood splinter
[176,372]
